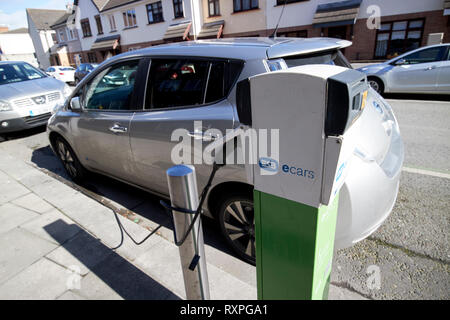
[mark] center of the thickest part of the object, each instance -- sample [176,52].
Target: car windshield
[329,57]
[18,72]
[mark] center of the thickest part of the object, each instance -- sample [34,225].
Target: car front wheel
[376,85]
[237,222]
[70,161]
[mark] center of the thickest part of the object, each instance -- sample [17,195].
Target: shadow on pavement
[120,275]
[409,96]
[21,134]
[134,199]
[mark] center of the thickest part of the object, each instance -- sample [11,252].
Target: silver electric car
[120,119]
[27,96]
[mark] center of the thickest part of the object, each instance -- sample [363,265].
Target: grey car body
[424,70]
[135,146]
[29,101]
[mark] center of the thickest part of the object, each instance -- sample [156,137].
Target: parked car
[125,131]
[27,96]
[424,70]
[63,73]
[83,70]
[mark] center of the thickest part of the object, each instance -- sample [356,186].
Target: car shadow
[415,96]
[124,278]
[22,134]
[136,200]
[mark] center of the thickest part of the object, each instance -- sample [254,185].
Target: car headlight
[5,106]
[67,91]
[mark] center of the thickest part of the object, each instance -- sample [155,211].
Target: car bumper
[18,123]
[365,202]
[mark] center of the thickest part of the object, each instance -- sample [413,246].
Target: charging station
[316,109]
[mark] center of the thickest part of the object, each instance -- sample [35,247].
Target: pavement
[60,241]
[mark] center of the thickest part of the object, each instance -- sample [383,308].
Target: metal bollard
[184,194]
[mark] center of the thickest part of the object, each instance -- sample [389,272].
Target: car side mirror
[400,62]
[75,104]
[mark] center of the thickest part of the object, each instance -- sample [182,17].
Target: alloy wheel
[67,159]
[239,225]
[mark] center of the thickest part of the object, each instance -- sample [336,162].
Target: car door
[184,96]
[443,82]
[101,132]
[417,72]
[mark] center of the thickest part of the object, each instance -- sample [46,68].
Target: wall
[252,22]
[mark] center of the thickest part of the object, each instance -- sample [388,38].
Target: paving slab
[32,202]
[43,280]
[52,226]
[20,249]
[10,189]
[117,278]
[11,216]
[70,295]
[83,251]
[55,192]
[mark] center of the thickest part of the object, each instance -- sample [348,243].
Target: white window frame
[112,22]
[129,22]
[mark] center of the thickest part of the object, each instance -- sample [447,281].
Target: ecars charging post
[296,197]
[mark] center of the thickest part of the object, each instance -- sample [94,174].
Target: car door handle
[431,68]
[116,128]
[203,136]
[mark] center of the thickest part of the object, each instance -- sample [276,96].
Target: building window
[243,5]
[281,2]
[213,8]
[86,27]
[72,34]
[397,37]
[98,21]
[92,57]
[61,35]
[129,18]
[54,38]
[112,22]
[154,12]
[178,8]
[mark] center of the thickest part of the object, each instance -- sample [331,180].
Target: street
[406,258]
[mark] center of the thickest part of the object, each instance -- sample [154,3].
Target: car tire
[376,84]
[237,223]
[3,138]
[70,161]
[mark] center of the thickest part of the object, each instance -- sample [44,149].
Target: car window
[328,57]
[176,82]
[427,55]
[112,88]
[17,72]
[82,67]
[67,69]
[185,82]
[51,70]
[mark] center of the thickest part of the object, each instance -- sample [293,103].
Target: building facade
[68,51]
[16,45]
[42,35]
[379,29]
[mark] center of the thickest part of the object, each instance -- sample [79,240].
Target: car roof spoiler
[299,46]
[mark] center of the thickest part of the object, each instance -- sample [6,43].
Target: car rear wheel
[237,222]
[70,161]
[376,85]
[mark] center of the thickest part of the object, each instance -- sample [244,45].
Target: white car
[63,73]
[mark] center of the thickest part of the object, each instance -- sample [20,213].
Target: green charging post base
[294,248]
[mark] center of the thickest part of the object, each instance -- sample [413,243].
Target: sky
[12,12]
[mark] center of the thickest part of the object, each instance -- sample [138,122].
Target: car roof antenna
[274,34]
